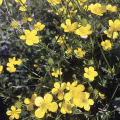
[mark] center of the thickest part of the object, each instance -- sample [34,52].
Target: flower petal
[53,107]
[39,101]
[39,113]
[16,116]
[30,107]
[86,107]
[48,98]
[57,85]
[27,101]
[9,112]
[18,111]
[13,108]
[90,101]
[33,97]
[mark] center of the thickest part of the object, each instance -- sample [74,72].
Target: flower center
[45,106]
[85,100]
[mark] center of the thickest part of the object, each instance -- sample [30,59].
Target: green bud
[18,104]
[10,84]
[98,24]
[89,16]
[90,89]
[91,62]
[29,76]
[95,91]
[36,60]
[65,69]
[50,61]
[42,57]
[47,68]
[74,75]
[84,22]
[14,24]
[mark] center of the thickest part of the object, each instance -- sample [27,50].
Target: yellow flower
[59,90]
[61,41]
[1,1]
[90,73]
[36,67]
[1,68]
[14,113]
[11,67]
[102,95]
[98,9]
[30,102]
[79,53]
[44,105]
[107,45]
[23,8]
[84,31]
[76,94]
[68,51]
[18,62]
[25,19]
[62,11]
[54,2]
[111,8]
[20,2]
[112,70]
[109,34]
[69,27]
[114,26]
[39,26]
[30,37]
[56,73]
[82,0]
[87,102]
[72,13]
[70,86]
[65,107]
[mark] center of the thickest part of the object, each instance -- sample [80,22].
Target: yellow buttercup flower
[111,8]
[30,37]
[14,113]
[69,27]
[30,102]
[114,26]
[56,73]
[61,41]
[1,68]
[87,102]
[65,107]
[102,95]
[72,13]
[112,70]
[10,67]
[68,51]
[39,26]
[79,53]
[25,19]
[44,105]
[107,45]
[59,90]
[84,31]
[70,86]
[109,34]
[98,9]
[23,8]
[90,73]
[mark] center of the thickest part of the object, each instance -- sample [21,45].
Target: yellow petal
[63,25]
[16,116]
[86,107]
[67,96]
[110,22]
[9,112]
[48,98]
[80,88]
[22,37]
[57,85]
[68,22]
[86,75]
[60,95]
[39,101]
[86,69]
[54,91]
[63,111]
[30,107]
[33,98]
[53,107]
[13,108]
[63,86]
[1,2]
[87,95]
[39,113]
[27,101]
[90,101]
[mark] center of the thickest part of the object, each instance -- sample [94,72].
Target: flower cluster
[11,63]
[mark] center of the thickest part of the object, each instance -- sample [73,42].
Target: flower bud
[74,75]
[84,22]
[50,61]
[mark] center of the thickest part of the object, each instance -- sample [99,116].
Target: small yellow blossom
[68,51]
[61,41]
[23,8]
[39,26]
[114,26]
[30,37]
[41,79]
[79,53]
[109,34]
[70,86]
[59,90]
[61,11]
[111,8]
[102,96]
[56,73]
[98,9]
[69,27]
[90,73]
[25,19]
[72,13]
[14,113]
[84,31]
[45,105]
[10,67]
[1,68]
[112,70]
[87,102]
[65,107]
[30,102]
[107,45]
[36,67]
